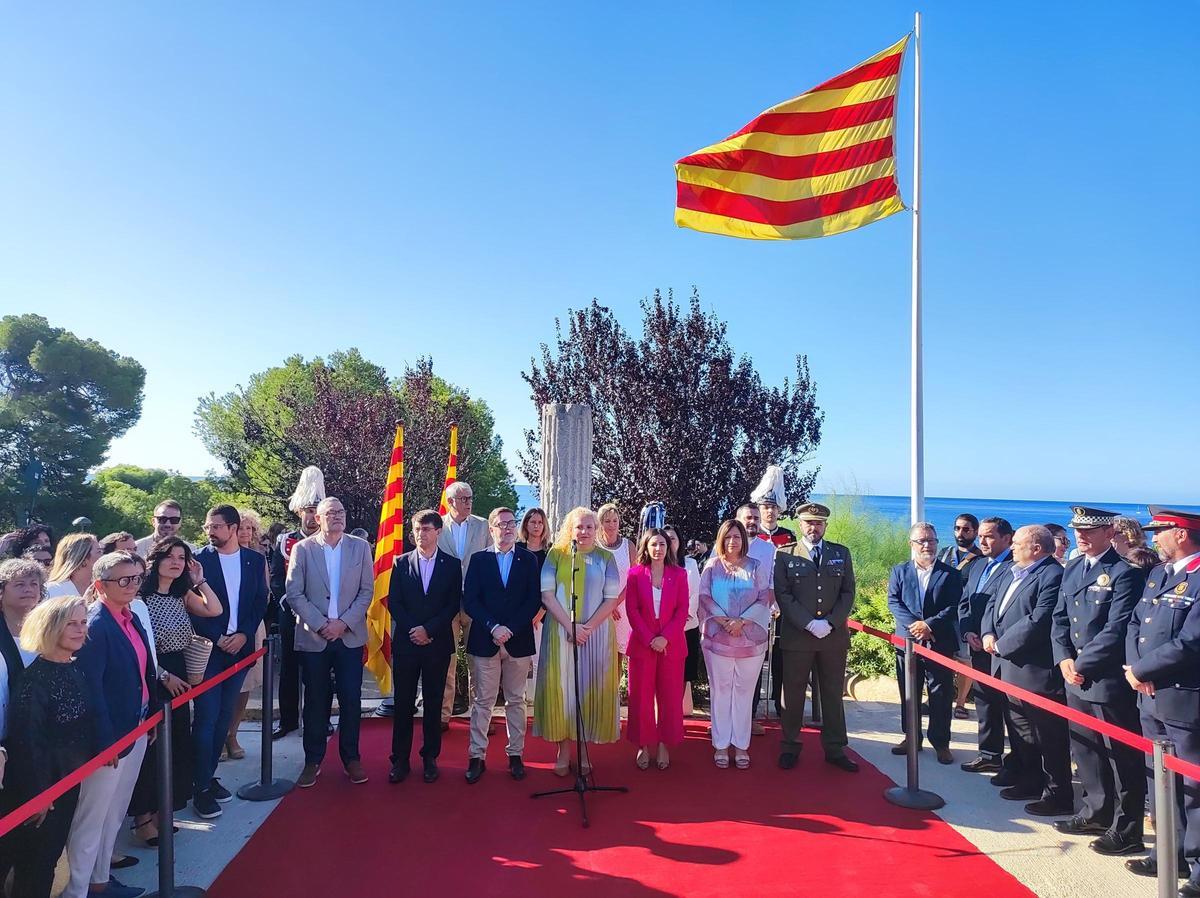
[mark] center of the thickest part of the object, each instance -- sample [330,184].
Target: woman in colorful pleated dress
[597,590]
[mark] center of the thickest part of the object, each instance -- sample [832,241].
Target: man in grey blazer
[330,581]
[463,534]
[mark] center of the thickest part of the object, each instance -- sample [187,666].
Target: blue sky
[212,187]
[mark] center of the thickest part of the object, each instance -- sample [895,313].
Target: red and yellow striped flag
[451,468]
[389,543]
[816,165]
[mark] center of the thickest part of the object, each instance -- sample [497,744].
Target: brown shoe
[944,755]
[308,776]
[355,771]
[757,729]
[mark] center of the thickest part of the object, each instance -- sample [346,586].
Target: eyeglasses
[168,518]
[463,499]
[930,541]
[505,525]
[124,582]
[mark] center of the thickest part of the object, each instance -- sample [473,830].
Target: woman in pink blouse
[656,602]
[735,613]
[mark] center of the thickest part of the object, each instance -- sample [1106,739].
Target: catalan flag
[389,543]
[819,164]
[451,468]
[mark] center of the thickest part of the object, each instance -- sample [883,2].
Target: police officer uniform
[815,598]
[1095,602]
[1162,648]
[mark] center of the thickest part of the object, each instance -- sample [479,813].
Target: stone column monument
[566,476]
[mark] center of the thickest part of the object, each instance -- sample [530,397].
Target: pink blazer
[673,612]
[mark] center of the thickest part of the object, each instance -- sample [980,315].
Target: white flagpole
[918,431]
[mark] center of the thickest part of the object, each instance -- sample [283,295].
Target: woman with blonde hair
[609,538]
[1130,542]
[250,532]
[595,585]
[71,573]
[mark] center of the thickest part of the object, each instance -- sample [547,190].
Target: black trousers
[36,850]
[827,669]
[430,668]
[338,668]
[1185,816]
[1113,775]
[289,672]
[1043,749]
[776,682]
[939,683]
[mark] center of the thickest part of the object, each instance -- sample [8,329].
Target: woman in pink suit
[656,602]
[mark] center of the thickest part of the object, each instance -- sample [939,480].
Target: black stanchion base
[265,791]
[181,892]
[916,799]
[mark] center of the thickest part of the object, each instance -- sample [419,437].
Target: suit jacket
[410,606]
[1024,656]
[975,598]
[806,593]
[937,605]
[672,612]
[479,537]
[110,670]
[1091,620]
[1163,645]
[946,556]
[308,591]
[252,598]
[489,602]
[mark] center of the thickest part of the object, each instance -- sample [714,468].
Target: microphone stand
[583,784]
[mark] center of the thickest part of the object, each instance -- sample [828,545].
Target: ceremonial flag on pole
[816,165]
[389,542]
[451,468]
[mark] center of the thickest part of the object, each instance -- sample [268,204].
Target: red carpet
[690,831]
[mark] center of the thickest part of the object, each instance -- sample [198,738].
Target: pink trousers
[654,677]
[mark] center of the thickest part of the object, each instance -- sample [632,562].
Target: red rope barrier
[1181,766]
[871,631]
[42,801]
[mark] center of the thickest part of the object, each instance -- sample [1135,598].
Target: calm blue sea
[941,512]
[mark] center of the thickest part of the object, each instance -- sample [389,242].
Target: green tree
[340,414]
[127,496]
[63,400]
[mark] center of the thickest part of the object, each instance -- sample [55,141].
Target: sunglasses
[168,518]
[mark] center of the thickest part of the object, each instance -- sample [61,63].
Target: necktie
[816,555]
[1170,571]
[987,572]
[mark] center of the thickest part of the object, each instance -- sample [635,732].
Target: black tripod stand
[583,784]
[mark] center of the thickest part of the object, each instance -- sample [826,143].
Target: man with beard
[965,549]
[167,519]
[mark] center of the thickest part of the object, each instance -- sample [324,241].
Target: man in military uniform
[814,587]
[1098,593]
[1162,647]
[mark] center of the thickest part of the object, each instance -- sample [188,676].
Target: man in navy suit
[1016,630]
[501,596]
[995,542]
[239,578]
[923,596]
[424,597]
[1098,595]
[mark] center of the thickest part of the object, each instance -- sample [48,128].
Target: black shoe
[1144,866]
[516,767]
[944,755]
[431,770]
[1189,890]
[281,731]
[981,765]
[1047,807]
[398,773]
[205,805]
[129,860]
[219,792]
[1021,793]
[1078,826]
[1110,845]
[1003,778]
[475,768]
[788,760]
[843,763]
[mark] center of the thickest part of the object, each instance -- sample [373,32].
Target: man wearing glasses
[923,596]
[167,518]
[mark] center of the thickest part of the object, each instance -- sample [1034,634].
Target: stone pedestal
[566,476]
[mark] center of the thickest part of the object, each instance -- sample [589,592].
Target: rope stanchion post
[911,795]
[166,817]
[1166,839]
[267,788]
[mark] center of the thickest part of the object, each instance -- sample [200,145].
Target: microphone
[574,546]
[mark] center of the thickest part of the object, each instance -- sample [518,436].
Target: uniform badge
[1151,584]
[1103,580]
[1181,588]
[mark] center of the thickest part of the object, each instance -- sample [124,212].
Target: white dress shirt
[923,577]
[1181,564]
[333,567]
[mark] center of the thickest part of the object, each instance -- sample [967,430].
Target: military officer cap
[1166,518]
[1084,518]
[812,511]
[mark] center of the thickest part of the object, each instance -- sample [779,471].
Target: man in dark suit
[923,596]
[1098,594]
[239,578]
[424,597]
[995,542]
[501,597]
[1016,630]
[1161,648]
